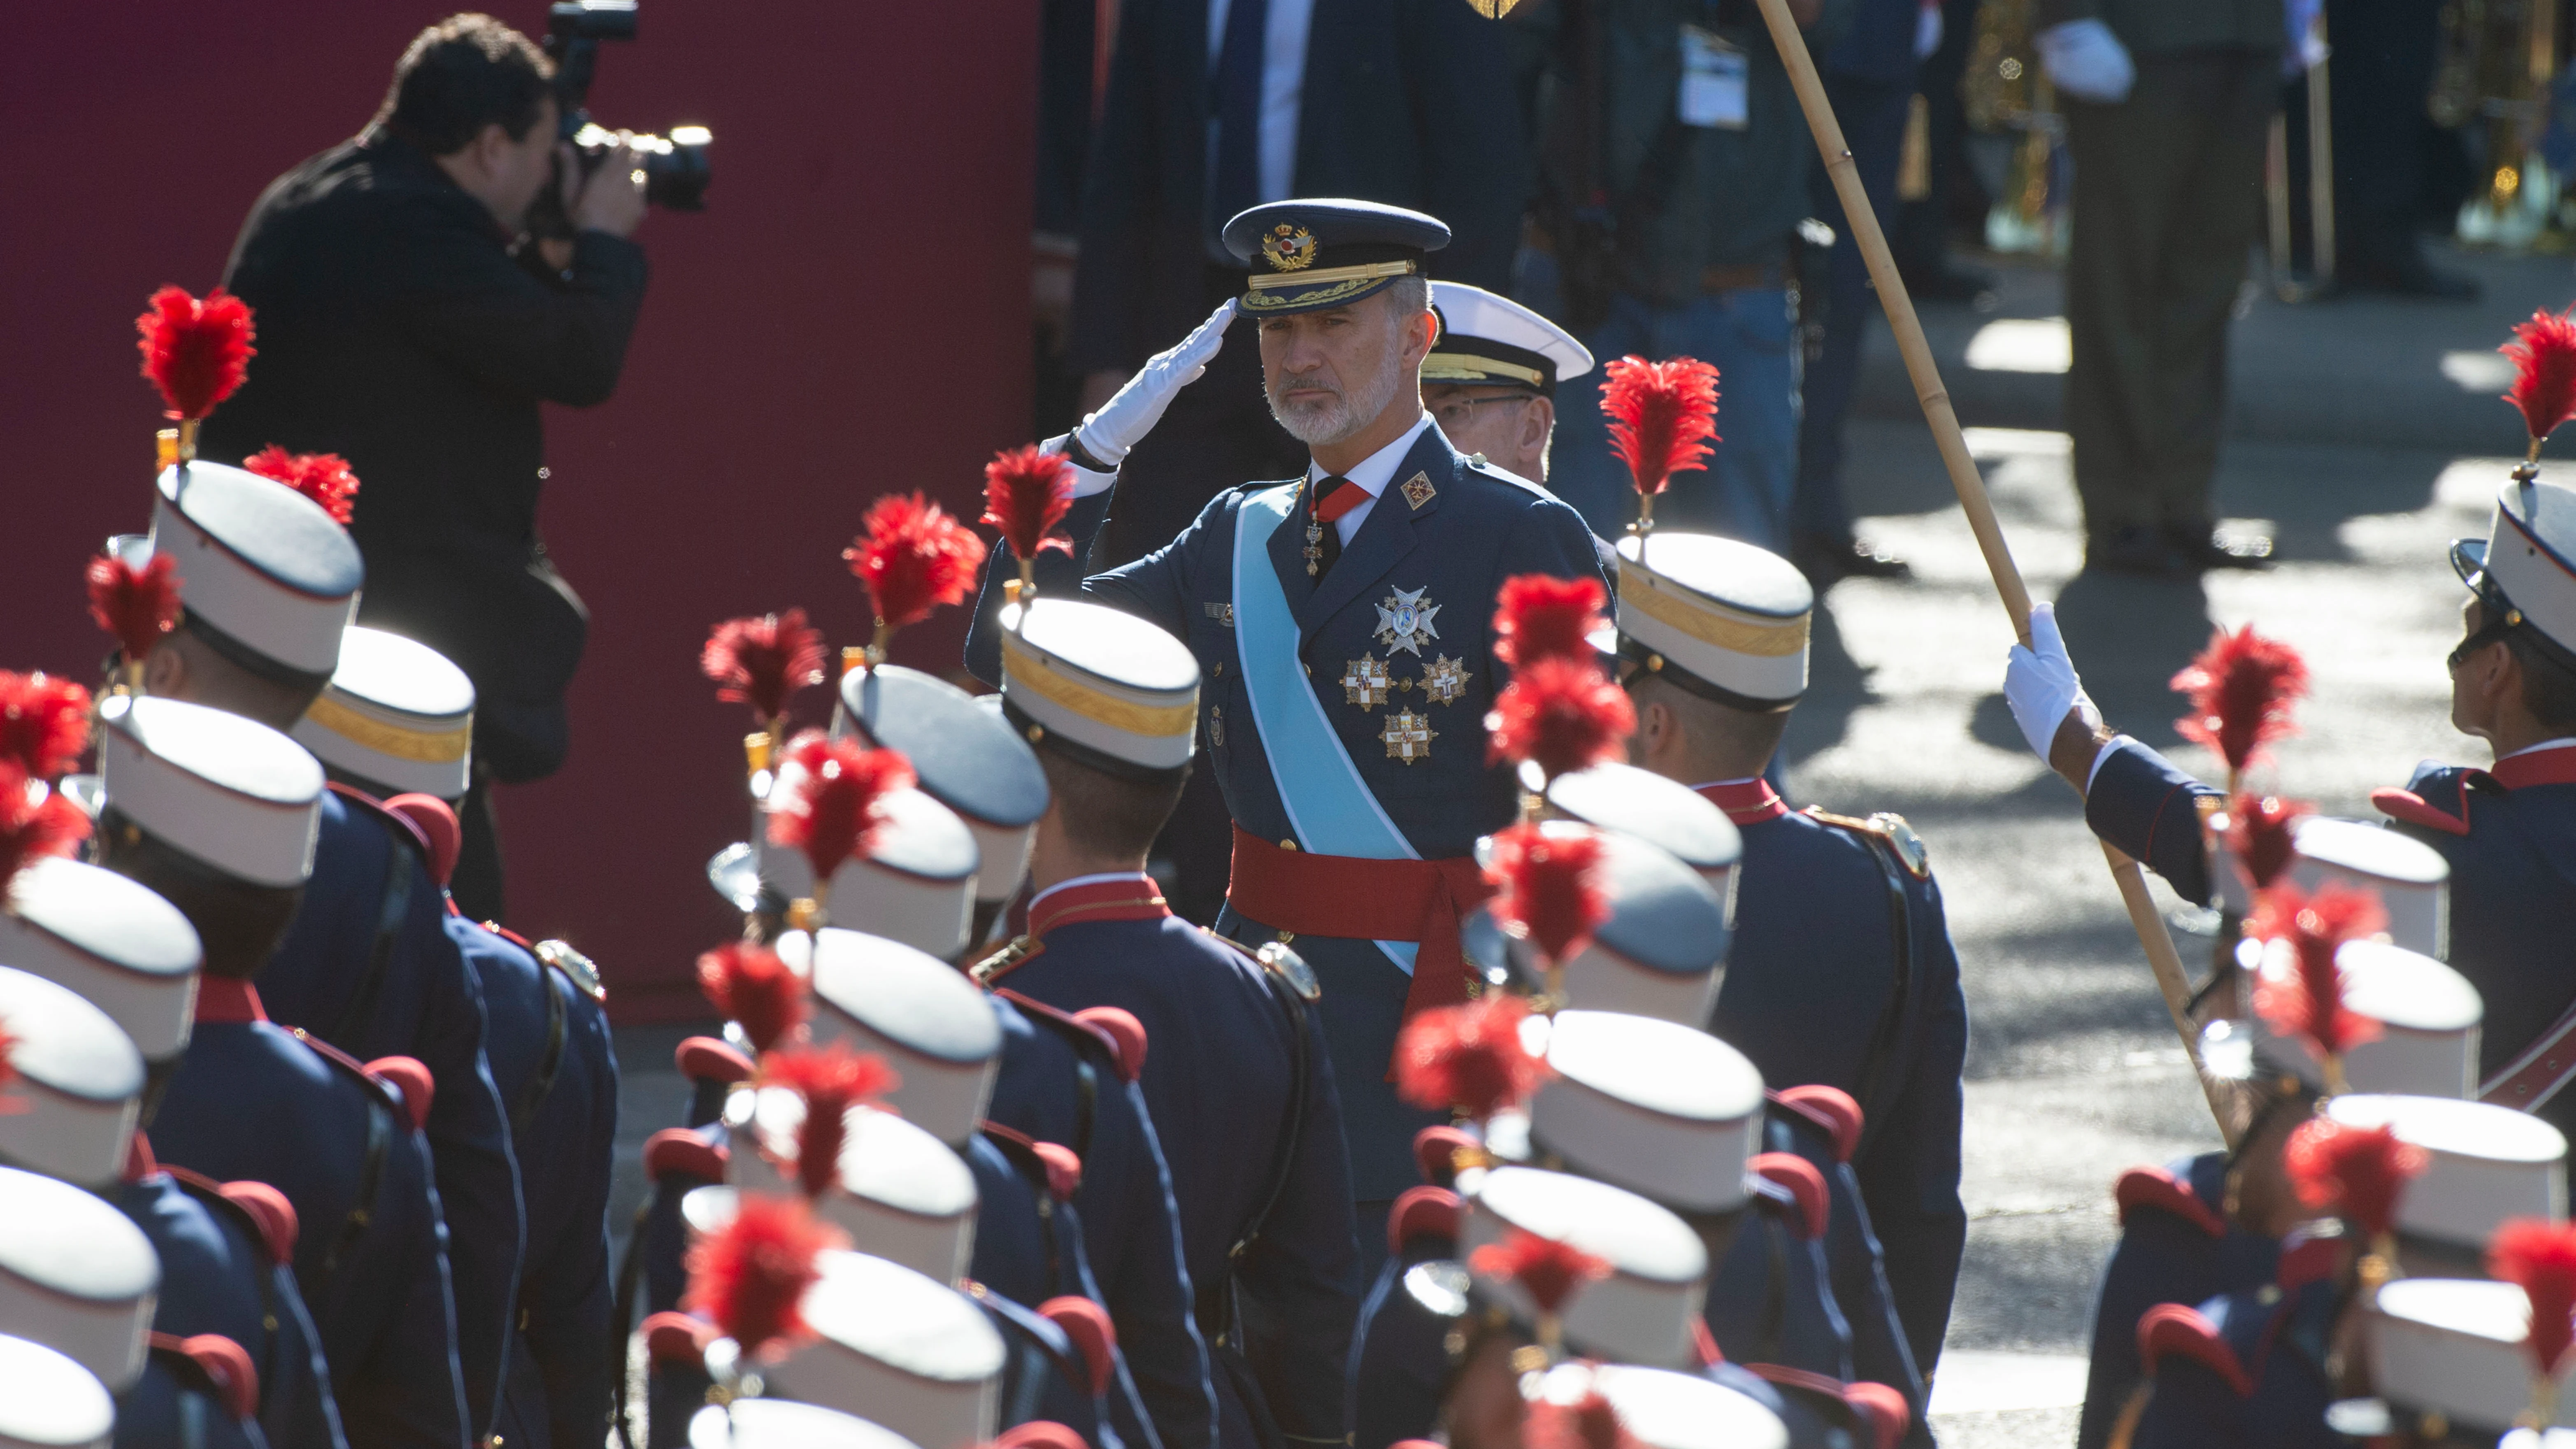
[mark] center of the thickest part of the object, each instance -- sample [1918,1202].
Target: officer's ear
[165,670]
[1538,420]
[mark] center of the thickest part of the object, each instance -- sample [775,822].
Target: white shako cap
[2411,879]
[2455,1347]
[915,883]
[1722,619]
[260,565]
[397,717]
[931,1024]
[2526,557]
[48,1401]
[234,794]
[76,1275]
[1664,813]
[1642,1312]
[786,1424]
[909,1352]
[1660,952]
[902,1193]
[966,756]
[2428,1016]
[1110,689]
[1658,1108]
[1493,341]
[80,1084]
[2487,1164]
[115,942]
[1662,1409]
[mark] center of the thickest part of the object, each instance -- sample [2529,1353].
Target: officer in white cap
[1490,379]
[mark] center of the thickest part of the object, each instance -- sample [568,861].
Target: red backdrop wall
[849,317]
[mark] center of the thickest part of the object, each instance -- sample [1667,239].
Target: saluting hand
[1123,421]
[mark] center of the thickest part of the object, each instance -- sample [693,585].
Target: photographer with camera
[409,323]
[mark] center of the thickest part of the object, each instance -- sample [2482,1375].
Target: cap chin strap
[1658,666]
[2503,618]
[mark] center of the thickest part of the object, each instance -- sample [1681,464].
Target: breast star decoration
[1404,621]
[1408,736]
[1365,682]
[1444,679]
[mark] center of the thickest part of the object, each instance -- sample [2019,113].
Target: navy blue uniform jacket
[2261,1382]
[1475,528]
[375,981]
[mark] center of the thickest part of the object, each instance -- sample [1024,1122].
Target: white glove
[1125,419]
[2085,60]
[2041,686]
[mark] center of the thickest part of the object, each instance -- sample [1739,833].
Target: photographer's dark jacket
[395,329]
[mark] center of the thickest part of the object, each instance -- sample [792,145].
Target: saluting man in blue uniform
[1237,1078]
[1342,621]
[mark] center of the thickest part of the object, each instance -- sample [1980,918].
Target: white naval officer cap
[1110,690]
[1661,1409]
[2486,1164]
[2525,568]
[48,1401]
[2456,1347]
[229,792]
[907,1351]
[1494,341]
[1720,619]
[1660,952]
[900,1192]
[397,717]
[1664,813]
[113,941]
[966,756]
[266,577]
[933,1026]
[915,882]
[76,1275]
[1644,1310]
[1663,1110]
[79,1084]
[2411,879]
[786,1424]
[2428,1016]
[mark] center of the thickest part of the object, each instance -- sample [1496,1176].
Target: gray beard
[1325,426]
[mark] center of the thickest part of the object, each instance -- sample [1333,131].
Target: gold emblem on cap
[1288,248]
[1408,737]
[1492,9]
[1418,489]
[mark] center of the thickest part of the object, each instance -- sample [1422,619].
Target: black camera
[675,165]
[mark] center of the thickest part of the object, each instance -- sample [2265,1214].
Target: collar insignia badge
[1418,489]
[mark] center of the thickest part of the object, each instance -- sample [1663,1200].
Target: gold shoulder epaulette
[576,968]
[1888,826]
[1002,963]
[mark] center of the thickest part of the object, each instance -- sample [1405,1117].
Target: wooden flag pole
[1861,222]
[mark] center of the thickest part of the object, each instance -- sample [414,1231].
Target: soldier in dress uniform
[269,584]
[1342,623]
[218,814]
[1239,1083]
[1490,381]
[393,723]
[1836,919]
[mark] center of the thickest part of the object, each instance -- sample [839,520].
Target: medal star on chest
[1404,621]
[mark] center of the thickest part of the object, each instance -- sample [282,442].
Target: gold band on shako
[1100,681]
[397,715]
[1466,367]
[1725,613]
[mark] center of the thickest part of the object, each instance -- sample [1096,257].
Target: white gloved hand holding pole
[1127,417]
[2085,60]
[2042,687]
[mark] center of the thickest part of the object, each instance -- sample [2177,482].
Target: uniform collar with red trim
[2551,764]
[1746,802]
[221,999]
[1096,898]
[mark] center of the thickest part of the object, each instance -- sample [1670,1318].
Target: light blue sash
[1328,804]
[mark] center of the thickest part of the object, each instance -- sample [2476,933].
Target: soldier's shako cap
[79,1084]
[264,574]
[1311,253]
[1643,1311]
[2488,1164]
[115,942]
[1664,813]
[48,1401]
[786,1424]
[1109,689]
[76,1275]
[2455,1347]
[2527,562]
[1721,619]
[2411,879]
[1662,1409]
[1658,955]
[2428,1016]
[915,883]
[901,1193]
[966,756]
[1493,341]
[234,794]
[1658,1108]
[931,1024]
[397,717]
[907,1351]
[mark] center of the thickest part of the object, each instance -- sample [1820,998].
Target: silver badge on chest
[1404,621]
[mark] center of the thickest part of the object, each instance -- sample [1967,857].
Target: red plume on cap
[2309,1002]
[830,802]
[196,352]
[1563,714]
[323,477]
[749,986]
[762,660]
[1663,416]
[2262,834]
[751,1274]
[1590,1422]
[2540,1257]
[137,605]
[2241,688]
[44,723]
[35,822]
[2354,1172]
[1548,1270]
[2544,371]
[831,1080]
[1027,492]
[1540,616]
[1550,884]
[913,558]
[1467,1057]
